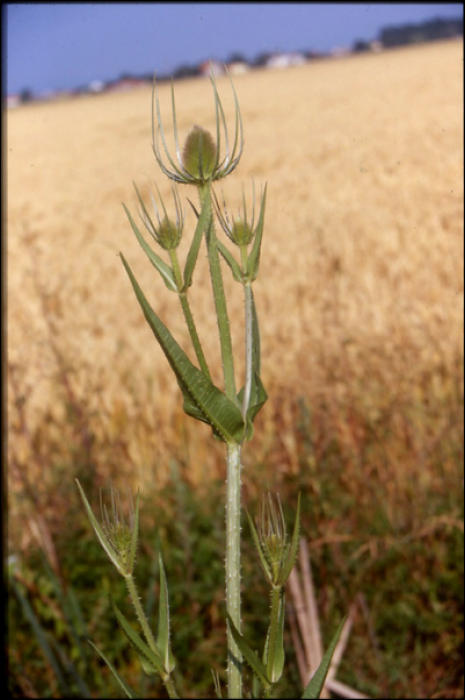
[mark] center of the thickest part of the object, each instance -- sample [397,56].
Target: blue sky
[66,45]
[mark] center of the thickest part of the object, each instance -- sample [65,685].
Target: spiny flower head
[277,553]
[201,159]
[240,229]
[120,535]
[168,233]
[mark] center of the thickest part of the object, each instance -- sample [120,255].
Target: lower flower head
[167,233]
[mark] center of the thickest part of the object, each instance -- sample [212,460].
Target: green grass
[382,510]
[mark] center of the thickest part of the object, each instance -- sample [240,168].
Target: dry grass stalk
[308,645]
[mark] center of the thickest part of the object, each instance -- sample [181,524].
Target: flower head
[201,159]
[168,233]
[277,553]
[117,537]
[121,536]
[240,229]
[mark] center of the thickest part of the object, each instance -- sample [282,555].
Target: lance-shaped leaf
[165,271]
[217,410]
[253,262]
[275,657]
[258,546]
[231,261]
[196,241]
[316,683]
[151,660]
[258,398]
[163,638]
[134,538]
[258,395]
[257,666]
[129,692]
[289,562]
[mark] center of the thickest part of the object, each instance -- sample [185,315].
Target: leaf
[288,565]
[153,660]
[129,692]
[100,533]
[165,271]
[40,633]
[233,264]
[253,262]
[258,398]
[163,639]
[263,560]
[249,655]
[134,537]
[258,395]
[315,686]
[276,672]
[196,241]
[216,409]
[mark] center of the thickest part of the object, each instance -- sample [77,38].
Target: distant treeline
[430,30]
[388,37]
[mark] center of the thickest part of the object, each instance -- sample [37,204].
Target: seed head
[240,229]
[200,154]
[202,158]
[167,233]
[121,535]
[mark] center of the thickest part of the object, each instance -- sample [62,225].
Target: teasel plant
[203,160]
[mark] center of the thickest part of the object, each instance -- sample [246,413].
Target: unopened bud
[169,234]
[241,233]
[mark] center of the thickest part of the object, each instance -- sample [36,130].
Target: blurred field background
[360,299]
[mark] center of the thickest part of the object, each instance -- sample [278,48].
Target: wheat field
[361,284]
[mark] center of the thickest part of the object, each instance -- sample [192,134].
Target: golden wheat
[362,265]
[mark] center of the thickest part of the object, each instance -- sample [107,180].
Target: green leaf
[103,539]
[129,692]
[315,686]
[215,408]
[191,259]
[276,672]
[288,565]
[151,659]
[258,395]
[263,560]
[253,262]
[165,271]
[249,655]
[258,398]
[40,633]
[233,264]
[163,639]
[256,351]
[134,537]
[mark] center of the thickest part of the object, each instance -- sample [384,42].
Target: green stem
[188,314]
[140,612]
[167,681]
[219,296]
[233,564]
[170,689]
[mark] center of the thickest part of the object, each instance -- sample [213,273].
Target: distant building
[13,101]
[125,84]
[207,67]
[238,68]
[96,86]
[285,60]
